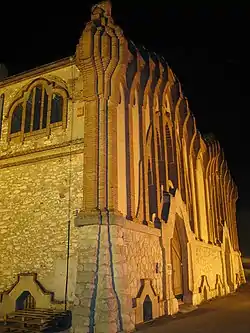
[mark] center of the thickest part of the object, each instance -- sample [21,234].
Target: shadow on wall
[246,266]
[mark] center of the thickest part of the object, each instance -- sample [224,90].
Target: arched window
[161,161]
[151,191]
[182,177]
[43,106]
[170,154]
[16,121]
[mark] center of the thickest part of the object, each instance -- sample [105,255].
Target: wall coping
[142,228]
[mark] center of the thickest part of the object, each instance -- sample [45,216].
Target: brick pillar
[100,298]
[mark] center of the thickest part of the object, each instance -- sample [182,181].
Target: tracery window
[40,108]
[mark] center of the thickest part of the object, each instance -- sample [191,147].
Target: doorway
[147,309]
[177,266]
[25,301]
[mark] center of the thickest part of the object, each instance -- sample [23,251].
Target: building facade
[111,200]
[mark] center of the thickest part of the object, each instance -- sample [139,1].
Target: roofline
[36,71]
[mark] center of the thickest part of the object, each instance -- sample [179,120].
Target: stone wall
[113,262]
[207,271]
[238,267]
[143,255]
[207,262]
[34,206]
[41,187]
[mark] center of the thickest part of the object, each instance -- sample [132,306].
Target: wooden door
[177,265]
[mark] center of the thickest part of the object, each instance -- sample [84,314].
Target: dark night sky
[207,48]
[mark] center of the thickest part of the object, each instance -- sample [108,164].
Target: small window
[28,113]
[45,109]
[37,108]
[56,108]
[16,122]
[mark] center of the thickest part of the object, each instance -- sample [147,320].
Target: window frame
[51,88]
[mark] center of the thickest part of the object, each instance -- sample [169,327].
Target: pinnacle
[105,6]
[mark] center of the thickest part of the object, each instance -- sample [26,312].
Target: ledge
[96,217]
[43,153]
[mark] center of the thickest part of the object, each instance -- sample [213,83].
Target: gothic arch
[147,90]
[185,129]
[151,185]
[174,97]
[166,99]
[41,105]
[182,114]
[179,219]
[193,139]
[169,150]
[116,68]
[133,92]
[202,209]
[54,83]
[136,147]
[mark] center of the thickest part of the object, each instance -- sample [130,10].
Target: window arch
[175,94]
[169,143]
[161,159]
[40,108]
[152,195]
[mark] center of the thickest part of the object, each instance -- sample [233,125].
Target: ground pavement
[230,314]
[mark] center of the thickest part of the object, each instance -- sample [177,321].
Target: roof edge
[36,71]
